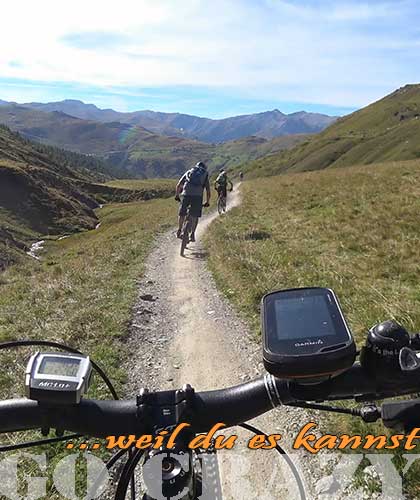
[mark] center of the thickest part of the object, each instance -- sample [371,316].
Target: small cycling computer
[305,335]
[57,378]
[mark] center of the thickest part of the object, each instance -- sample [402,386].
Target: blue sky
[215,59]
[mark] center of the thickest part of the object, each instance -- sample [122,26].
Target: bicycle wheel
[185,235]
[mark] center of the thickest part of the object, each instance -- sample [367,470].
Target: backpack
[196,176]
[222,179]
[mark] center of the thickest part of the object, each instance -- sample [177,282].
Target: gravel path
[184,331]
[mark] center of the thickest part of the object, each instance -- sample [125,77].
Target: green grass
[384,131]
[141,184]
[83,289]
[355,230]
[81,294]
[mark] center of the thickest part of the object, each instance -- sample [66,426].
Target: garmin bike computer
[57,378]
[305,335]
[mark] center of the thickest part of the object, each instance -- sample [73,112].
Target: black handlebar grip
[90,417]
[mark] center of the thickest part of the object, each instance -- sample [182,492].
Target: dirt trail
[193,336]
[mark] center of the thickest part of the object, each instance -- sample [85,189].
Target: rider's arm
[180,185]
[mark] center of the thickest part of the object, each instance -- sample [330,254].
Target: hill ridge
[386,130]
[132,150]
[209,130]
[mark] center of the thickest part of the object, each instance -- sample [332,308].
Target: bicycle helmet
[201,164]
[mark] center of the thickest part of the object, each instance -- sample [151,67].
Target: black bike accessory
[401,415]
[57,378]
[408,360]
[162,410]
[305,335]
[415,342]
[381,354]
[24,343]
[177,472]
[46,343]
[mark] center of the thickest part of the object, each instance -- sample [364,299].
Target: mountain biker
[241,176]
[191,186]
[221,182]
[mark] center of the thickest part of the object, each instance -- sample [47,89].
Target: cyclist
[191,186]
[220,184]
[241,176]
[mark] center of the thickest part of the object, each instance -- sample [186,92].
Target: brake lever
[408,360]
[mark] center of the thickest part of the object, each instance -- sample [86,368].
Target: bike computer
[57,378]
[305,335]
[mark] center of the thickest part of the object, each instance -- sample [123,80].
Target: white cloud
[289,48]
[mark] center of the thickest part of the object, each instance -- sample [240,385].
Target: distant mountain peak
[267,124]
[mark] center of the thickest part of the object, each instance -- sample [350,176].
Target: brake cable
[29,444]
[286,457]
[369,413]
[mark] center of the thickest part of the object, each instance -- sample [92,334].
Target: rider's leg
[181,220]
[224,193]
[183,208]
[195,214]
[194,222]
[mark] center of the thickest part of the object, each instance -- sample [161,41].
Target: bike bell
[380,355]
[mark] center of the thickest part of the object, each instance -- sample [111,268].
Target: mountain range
[268,124]
[132,150]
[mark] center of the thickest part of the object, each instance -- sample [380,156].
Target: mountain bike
[380,373]
[221,200]
[188,229]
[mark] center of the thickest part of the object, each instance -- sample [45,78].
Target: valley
[128,149]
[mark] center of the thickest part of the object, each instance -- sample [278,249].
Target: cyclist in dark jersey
[222,182]
[191,187]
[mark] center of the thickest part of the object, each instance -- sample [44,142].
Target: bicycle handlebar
[232,406]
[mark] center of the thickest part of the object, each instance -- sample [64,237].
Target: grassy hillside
[146,154]
[143,184]
[40,195]
[133,151]
[62,130]
[235,153]
[355,230]
[37,195]
[384,131]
